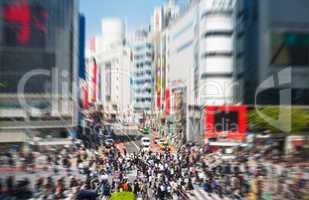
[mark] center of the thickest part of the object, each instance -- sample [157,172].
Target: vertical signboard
[95,80]
[167,102]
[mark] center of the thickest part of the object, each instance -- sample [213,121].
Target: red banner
[86,91]
[167,101]
[158,99]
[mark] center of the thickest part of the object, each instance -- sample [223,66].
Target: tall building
[181,61]
[220,45]
[112,58]
[39,66]
[113,32]
[202,47]
[143,76]
[170,12]
[276,53]
[164,15]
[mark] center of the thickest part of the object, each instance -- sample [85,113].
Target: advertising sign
[225,122]
[34,34]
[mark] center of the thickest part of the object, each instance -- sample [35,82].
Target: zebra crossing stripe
[216,197]
[200,194]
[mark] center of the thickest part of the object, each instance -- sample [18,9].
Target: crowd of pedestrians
[96,173]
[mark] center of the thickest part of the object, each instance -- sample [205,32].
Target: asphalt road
[130,137]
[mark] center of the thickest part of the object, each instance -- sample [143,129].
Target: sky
[136,13]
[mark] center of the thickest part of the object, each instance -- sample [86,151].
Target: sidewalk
[38,168]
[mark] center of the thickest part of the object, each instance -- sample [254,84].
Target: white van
[145,142]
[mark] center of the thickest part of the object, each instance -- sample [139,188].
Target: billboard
[225,122]
[38,48]
[34,34]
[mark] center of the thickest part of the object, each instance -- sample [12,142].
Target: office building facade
[112,58]
[143,77]
[203,45]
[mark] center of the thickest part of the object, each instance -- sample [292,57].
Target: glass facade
[34,35]
[290,49]
[38,52]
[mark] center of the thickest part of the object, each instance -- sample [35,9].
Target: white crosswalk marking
[216,197]
[200,194]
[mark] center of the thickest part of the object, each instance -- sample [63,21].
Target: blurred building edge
[48,105]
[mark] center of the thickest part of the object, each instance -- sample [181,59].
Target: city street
[128,137]
[154,100]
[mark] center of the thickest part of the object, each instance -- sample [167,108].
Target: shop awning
[13,137]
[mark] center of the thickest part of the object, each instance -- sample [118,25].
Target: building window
[148,54]
[289,49]
[217,12]
[219,54]
[217,75]
[240,54]
[149,46]
[218,33]
[240,34]
[240,13]
[148,63]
